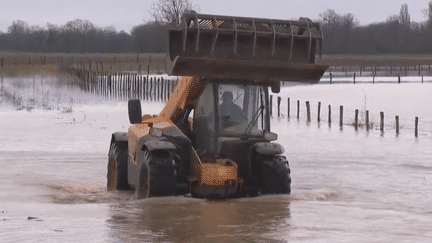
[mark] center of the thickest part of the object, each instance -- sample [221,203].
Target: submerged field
[348,185]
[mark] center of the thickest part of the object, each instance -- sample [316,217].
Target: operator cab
[230,111]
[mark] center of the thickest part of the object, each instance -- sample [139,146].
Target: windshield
[241,109]
[228,110]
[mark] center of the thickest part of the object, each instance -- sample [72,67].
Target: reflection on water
[179,219]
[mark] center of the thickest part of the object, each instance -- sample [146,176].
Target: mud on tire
[117,168]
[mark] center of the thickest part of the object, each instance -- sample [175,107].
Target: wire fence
[341,116]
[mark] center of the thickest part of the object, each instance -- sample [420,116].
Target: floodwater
[347,185]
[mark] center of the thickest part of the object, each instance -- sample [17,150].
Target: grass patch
[13,64]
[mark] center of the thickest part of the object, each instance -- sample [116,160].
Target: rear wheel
[275,177]
[117,168]
[157,175]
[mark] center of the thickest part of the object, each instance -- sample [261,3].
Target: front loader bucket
[237,47]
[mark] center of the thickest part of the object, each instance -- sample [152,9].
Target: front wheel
[157,175]
[275,175]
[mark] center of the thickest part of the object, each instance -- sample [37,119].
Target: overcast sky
[124,14]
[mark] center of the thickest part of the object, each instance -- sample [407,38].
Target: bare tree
[337,29]
[330,18]
[393,19]
[79,26]
[171,10]
[19,27]
[349,21]
[428,11]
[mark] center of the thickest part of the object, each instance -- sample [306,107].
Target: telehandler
[213,137]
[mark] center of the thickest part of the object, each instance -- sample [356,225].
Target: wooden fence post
[416,127]
[151,89]
[288,109]
[278,103]
[145,88]
[382,121]
[341,116]
[308,111]
[354,76]
[162,89]
[329,114]
[397,125]
[319,111]
[298,109]
[367,120]
[356,119]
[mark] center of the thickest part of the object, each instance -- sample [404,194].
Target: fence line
[376,74]
[392,70]
[364,120]
[124,86]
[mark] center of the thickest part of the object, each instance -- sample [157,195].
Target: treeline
[82,36]
[342,35]
[398,35]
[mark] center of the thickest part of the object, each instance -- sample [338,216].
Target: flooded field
[348,186]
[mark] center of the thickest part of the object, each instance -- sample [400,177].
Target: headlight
[157,132]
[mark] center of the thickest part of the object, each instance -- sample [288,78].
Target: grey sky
[124,14]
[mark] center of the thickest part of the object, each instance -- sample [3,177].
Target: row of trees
[80,36]
[397,35]
[342,34]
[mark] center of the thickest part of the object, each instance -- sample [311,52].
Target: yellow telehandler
[213,137]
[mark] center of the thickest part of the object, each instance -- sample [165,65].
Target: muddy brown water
[348,186]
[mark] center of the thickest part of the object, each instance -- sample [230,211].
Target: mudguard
[138,160]
[120,138]
[152,145]
[268,148]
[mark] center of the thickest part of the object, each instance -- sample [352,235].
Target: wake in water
[74,193]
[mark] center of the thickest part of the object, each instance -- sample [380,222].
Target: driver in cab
[231,114]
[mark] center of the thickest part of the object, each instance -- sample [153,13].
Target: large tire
[157,175]
[117,177]
[275,175]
